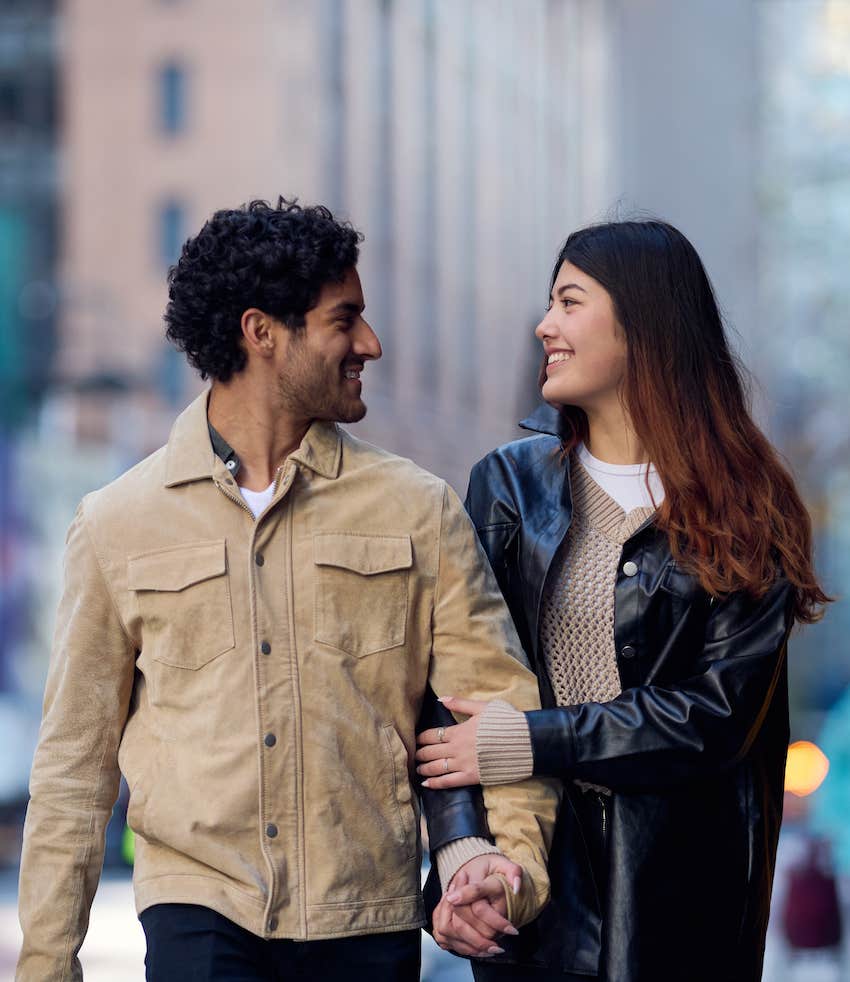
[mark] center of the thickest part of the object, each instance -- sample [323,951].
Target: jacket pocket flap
[176,568]
[366,554]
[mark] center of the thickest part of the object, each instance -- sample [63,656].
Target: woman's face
[585,345]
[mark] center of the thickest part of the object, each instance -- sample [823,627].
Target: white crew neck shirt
[257,501]
[625,483]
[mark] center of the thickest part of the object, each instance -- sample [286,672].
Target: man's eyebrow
[568,286]
[347,307]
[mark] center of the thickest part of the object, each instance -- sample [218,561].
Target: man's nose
[366,343]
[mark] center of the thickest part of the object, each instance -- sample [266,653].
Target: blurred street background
[466,139]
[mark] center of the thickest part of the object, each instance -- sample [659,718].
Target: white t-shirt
[625,483]
[257,500]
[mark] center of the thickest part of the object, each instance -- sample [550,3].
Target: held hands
[473,913]
[447,754]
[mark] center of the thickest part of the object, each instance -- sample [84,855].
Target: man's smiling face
[320,363]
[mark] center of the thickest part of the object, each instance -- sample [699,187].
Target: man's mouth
[353,372]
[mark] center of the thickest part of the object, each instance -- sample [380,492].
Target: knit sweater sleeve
[457,853]
[503,745]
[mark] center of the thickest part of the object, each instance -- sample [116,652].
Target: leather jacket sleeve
[656,736]
[497,525]
[454,812]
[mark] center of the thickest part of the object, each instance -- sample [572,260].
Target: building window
[172,99]
[172,226]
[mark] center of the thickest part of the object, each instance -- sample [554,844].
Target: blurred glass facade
[803,332]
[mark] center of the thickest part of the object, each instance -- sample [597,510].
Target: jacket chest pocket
[681,587]
[361,590]
[183,595]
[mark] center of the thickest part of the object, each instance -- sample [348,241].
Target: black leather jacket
[693,749]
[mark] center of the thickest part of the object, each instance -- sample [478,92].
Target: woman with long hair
[654,553]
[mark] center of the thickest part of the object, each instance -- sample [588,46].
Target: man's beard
[305,392]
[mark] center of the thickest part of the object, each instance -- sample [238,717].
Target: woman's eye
[567,302]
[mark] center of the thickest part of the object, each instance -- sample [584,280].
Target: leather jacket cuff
[553,744]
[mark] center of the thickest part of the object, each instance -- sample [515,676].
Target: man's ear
[258,332]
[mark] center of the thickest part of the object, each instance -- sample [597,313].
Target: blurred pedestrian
[654,553]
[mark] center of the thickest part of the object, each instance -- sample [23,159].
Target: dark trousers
[188,943]
[500,972]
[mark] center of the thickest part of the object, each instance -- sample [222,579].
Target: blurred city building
[29,192]
[28,201]
[802,331]
[464,139]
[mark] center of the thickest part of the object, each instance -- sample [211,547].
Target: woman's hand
[447,754]
[471,916]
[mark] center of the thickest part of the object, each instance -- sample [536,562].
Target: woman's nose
[544,329]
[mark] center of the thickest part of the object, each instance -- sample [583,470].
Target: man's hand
[472,915]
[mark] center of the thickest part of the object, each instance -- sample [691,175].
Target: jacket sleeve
[476,654]
[657,736]
[453,813]
[75,776]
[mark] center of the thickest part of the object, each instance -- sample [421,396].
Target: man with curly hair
[253,619]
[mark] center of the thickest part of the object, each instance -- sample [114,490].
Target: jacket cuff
[503,745]
[454,854]
[553,742]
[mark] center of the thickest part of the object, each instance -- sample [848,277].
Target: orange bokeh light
[806,768]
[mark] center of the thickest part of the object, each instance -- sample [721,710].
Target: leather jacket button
[272,924]
[630,568]
[270,740]
[259,559]
[271,831]
[628,651]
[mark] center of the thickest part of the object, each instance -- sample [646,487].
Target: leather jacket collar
[545,419]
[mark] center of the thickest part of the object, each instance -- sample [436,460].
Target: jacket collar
[321,449]
[190,455]
[545,419]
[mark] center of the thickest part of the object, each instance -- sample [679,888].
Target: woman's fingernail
[495,951]
[511,930]
[452,897]
[517,883]
[426,784]
[444,698]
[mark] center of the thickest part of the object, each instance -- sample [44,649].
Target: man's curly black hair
[274,258]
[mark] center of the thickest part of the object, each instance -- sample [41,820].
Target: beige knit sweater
[576,626]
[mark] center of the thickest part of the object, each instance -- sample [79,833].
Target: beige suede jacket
[258,684]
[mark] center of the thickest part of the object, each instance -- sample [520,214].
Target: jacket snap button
[272,923]
[266,648]
[628,651]
[270,740]
[630,568]
[271,831]
[258,559]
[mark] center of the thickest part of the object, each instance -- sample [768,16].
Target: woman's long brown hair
[731,510]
